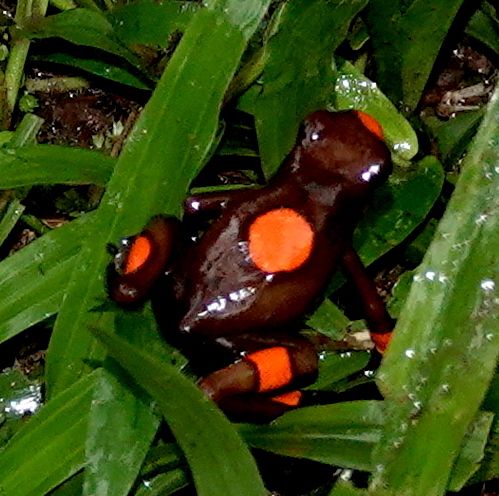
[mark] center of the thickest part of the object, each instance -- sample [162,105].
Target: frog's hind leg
[260,408]
[141,260]
[263,378]
[379,321]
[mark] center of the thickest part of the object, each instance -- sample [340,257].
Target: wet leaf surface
[298,71]
[438,368]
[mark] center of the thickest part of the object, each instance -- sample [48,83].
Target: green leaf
[134,426]
[490,465]
[343,434]
[98,67]
[52,164]
[355,91]
[472,452]
[298,71]
[146,22]
[81,27]
[163,484]
[344,488]
[50,448]
[10,216]
[329,320]
[71,487]
[454,135]
[230,471]
[399,293]
[398,208]
[406,38]
[334,367]
[33,280]
[444,350]
[160,458]
[484,27]
[133,420]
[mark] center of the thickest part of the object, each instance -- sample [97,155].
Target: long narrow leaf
[51,447]
[216,471]
[33,280]
[52,164]
[445,348]
[343,434]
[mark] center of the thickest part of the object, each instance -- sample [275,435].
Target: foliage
[111,380]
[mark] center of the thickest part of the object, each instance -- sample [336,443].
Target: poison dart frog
[241,289]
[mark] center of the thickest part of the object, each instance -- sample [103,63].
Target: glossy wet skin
[218,288]
[268,255]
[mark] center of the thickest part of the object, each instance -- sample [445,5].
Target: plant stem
[18,53]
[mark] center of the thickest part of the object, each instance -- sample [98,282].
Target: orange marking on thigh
[138,254]
[280,240]
[381,341]
[292,398]
[274,367]
[371,123]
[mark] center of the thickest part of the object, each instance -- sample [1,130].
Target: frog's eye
[371,124]
[311,130]
[315,135]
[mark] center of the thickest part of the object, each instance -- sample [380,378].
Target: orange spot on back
[292,398]
[274,367]
[138,254]
[280,240]
[371,123]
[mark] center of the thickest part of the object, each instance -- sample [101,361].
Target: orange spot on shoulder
[138,254]
[280,240]
[292,398]
[274,367]
[371,123]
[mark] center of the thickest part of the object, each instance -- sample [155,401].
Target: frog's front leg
[141,259]
[265,379]
[379,321]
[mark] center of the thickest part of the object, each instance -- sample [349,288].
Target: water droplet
[481,219]
[346,474]
[445,388]
[488,285]
[410,353]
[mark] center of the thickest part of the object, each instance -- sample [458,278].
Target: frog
[235,295]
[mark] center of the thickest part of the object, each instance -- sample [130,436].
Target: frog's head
[344,149]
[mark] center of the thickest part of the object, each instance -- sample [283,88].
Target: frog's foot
[260,408]
[141,260]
